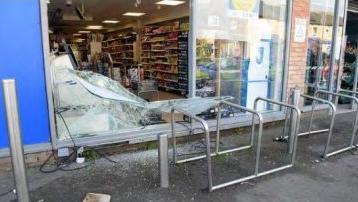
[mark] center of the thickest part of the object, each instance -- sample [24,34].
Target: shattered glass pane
[89,104]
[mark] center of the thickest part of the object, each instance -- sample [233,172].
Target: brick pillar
[298,54]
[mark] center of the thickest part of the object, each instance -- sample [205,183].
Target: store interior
[142,44]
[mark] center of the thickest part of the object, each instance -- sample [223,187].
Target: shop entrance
[348,79]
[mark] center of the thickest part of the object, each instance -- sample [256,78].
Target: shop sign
[300,30]
[244,8]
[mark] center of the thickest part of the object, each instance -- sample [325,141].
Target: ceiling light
[133,14]
[78,34]
[79,40]
[84,32]
[94,27]
[170,2]
[110,21]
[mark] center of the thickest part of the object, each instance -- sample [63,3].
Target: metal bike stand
[294,131]
[257,172]
[208,155]
[207,140]
[355,93]
[351,145]
[217,142]
[254,114]
[332,119]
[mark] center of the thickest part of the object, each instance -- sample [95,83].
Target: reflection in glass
[239,50]
[320,32]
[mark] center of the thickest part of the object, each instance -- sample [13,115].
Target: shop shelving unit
[121,48]
[113,47]
[183,62]
[160,56]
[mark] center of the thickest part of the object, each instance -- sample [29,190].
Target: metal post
[355,83]
[289,10]
[218,123]
[16,147]
[287,115]
[252,136]
[311,116]
[259,137]
[342,48]
[334,46]
[293,120]
[163,160]
[172,120]
[208,154]
[192,48]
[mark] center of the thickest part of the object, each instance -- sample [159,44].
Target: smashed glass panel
[89,104]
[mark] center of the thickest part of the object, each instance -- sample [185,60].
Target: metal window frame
[48,75]
[334,48]
[343,45]
[110,138]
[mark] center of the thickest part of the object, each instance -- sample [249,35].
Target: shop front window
[350,51]
[239,50]
[125,76]
[318,69]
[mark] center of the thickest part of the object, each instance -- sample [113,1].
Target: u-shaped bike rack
[217,142]
[351,145]
[310,132]
[209,154]
[355,93]
[204,126]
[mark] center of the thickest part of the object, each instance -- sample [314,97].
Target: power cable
[62,164]
[7,192]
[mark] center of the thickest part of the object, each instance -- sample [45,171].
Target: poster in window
[244,8]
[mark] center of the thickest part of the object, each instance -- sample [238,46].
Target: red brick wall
[298,53]
[34,159]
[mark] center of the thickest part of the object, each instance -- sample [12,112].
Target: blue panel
[245,72]
[21,58]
